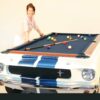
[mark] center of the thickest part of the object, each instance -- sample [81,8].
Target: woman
[29,22]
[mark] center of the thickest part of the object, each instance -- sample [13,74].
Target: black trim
[43,73]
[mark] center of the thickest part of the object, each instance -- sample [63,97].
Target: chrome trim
[90,89]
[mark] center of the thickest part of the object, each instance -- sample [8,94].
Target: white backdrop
[51,15]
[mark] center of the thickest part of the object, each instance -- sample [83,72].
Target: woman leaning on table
[29,23]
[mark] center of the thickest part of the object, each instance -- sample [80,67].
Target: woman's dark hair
[30,5]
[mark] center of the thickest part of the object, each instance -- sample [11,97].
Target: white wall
[51,15]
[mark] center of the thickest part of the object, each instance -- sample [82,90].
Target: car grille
[43,73]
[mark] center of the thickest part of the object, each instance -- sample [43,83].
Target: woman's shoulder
[25,20]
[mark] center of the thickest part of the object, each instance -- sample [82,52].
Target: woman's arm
[26,37]
[37,29]
[26,31]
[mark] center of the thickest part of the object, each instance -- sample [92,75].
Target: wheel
[10,90]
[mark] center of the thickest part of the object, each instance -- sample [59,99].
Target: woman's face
[30,12]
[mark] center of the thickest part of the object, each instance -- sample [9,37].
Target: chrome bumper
[70,87]
[40,89]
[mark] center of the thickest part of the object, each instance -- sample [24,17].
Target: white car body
[75,65]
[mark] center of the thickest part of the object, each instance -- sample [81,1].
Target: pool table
[57,61]
[65,45]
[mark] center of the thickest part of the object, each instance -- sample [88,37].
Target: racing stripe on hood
[47,62]
[28,60]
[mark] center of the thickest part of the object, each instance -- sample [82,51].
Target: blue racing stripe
[48,57]
[48,82]
[28,60]
[47,62]
[28,81]
[43,82]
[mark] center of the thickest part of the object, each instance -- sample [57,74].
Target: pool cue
[56,43]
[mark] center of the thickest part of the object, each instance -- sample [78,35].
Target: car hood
[46,61]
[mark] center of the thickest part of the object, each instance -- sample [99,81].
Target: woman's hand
[41,34]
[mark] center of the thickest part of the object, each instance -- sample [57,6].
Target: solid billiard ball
[70,38]
[49,38]
[53,39]
[69,47]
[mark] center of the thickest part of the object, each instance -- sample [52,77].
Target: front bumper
[30,84]
[40,89]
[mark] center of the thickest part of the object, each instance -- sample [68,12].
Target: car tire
[10,90]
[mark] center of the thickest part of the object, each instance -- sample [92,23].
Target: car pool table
[45,63]
[59,44]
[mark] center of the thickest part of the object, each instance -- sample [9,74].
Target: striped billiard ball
[84,38]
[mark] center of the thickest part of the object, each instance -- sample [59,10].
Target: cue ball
[69,47]
[68,37]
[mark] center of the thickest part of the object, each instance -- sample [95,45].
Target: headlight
[1,67]
[88,74]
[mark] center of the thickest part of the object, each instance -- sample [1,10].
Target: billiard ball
[53,39]
[49,38]
[78,36]
[48,47]
[69,47]
[85,38]
[82,37]
[68,37]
